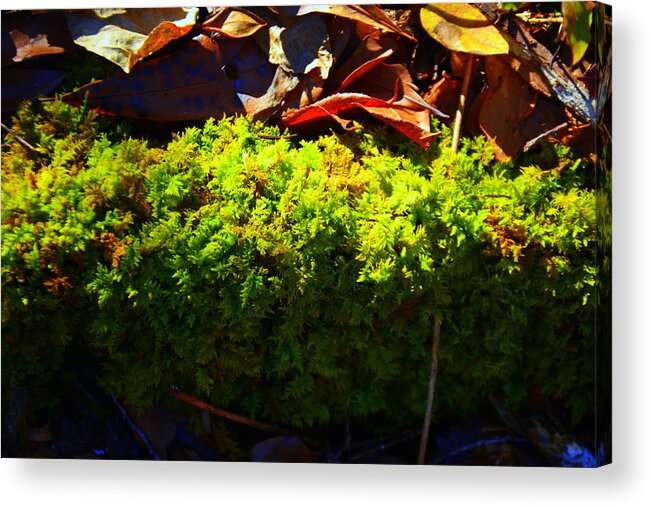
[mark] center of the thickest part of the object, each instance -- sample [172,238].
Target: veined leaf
[464,28]
[233,22]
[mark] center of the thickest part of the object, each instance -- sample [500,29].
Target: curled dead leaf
[159,37]
[384,92]
[373,50]
[119,34]
[43,34]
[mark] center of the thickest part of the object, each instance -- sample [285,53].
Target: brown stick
[177,393]
[531,143]
[436,339]
[18,138]
[462,103]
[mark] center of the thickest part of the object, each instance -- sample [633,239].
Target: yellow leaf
[464,28]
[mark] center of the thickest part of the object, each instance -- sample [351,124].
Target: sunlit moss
[296,281]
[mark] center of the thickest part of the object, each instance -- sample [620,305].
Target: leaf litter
[306,66]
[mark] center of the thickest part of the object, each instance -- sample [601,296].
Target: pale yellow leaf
[463,27]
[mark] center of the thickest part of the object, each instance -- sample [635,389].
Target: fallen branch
[436,339]
[180,395]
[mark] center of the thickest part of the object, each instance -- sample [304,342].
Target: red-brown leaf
[508,102]
[370,53]
[384,92]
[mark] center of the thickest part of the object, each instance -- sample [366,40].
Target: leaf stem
[462,103]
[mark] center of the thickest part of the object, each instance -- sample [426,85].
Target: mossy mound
[296,281]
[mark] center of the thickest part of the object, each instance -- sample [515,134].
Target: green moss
[297,282]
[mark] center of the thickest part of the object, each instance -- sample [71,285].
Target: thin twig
[276,138]
[462,103]
[495,196]
[420,102]
[436,339]
[530,20]
[135,428]
[536,140]
[527,18]
[18,138]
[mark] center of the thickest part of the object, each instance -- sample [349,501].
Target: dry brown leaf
[233,22]
[509,100]
[43,34]
[444,94]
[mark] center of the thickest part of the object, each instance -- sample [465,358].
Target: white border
[627,482]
